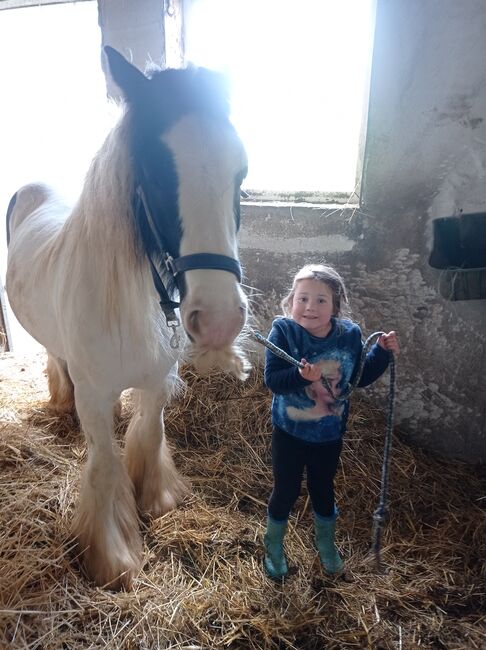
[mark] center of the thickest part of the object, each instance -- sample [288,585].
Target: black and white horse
[158,214]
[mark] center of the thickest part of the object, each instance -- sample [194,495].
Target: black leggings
[289,458]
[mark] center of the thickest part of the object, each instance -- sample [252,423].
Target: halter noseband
[203,261]
[176,266]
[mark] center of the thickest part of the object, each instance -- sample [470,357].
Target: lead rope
[381,512]
[380,515]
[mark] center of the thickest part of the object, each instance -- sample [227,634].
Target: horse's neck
[103,214]
[102,227]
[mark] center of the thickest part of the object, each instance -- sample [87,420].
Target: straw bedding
[202,584]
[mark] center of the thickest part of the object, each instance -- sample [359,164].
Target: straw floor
[202,584]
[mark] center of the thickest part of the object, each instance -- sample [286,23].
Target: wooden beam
[22,4]
[6,344]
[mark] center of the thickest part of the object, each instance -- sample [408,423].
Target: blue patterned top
[306,409]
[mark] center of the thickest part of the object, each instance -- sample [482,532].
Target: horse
[104,285]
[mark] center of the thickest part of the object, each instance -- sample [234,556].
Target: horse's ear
[127,77]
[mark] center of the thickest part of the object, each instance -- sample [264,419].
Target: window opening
[299,73]
[54,112]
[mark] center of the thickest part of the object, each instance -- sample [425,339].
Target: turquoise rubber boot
[275,563]
[325,529]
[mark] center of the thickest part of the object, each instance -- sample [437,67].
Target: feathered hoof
[108,536]
[61,408]
[158,485]
[157,502]
[111,565]
[114,573]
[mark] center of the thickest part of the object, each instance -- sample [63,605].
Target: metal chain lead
[380,515]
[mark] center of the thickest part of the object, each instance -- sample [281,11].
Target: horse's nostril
[193,322]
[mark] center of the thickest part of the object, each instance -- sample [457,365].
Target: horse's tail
[10,208]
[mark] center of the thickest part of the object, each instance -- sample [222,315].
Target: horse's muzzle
[214,330]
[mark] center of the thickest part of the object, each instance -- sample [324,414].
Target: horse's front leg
[158,485]
[106,523]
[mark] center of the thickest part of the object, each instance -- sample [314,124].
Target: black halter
[176,266]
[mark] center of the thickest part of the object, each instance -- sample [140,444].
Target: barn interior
[407,232]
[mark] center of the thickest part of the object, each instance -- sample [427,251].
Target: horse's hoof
[115,577]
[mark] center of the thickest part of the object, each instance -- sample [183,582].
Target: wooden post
[5,335]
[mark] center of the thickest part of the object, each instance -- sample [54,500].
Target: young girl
[308,423]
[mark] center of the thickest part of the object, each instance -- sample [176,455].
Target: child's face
[312,306]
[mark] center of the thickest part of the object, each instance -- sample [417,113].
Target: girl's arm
[377,361]
[378,358]
[281,377]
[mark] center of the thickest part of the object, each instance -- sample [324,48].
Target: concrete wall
[425,157]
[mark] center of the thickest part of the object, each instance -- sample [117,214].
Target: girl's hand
[389,342]
[309,371]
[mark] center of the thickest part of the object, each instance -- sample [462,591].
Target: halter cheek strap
[176,266]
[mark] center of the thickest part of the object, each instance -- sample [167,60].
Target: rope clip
[175,339]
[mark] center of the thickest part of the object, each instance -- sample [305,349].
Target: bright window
[54,94]
[54,112]
[298,72]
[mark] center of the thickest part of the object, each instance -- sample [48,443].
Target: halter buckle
[170,265]
[175,338]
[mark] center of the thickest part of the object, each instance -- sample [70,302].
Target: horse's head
[188,167]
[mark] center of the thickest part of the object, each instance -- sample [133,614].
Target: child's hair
[329,276]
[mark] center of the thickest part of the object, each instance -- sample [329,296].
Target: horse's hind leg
[27,199]
[158,485]
[61,387]
[106,523]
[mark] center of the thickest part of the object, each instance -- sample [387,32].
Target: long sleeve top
[306,409]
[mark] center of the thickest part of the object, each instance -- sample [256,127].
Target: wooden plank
[6,344]
[21,4]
